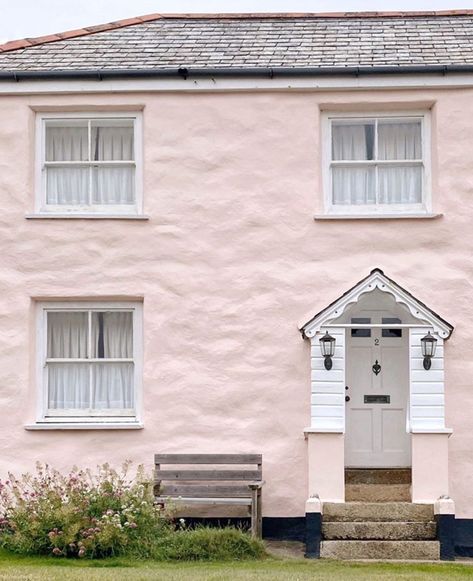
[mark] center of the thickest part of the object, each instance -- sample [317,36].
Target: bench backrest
[183,475]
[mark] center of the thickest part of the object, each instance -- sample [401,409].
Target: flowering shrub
[82,514]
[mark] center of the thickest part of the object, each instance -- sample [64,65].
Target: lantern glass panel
[327,345]
[429,345]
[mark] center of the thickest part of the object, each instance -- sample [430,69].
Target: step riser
[379,531]
[378,492]
[378,476]
[386,550]
[377,512]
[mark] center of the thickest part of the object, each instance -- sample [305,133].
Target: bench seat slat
[208,475]
[208,458]
[205,490]
[201,500]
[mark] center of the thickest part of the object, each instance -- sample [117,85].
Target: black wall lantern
[327,346]
[429,345]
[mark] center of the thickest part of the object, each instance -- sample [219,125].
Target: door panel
[376,432]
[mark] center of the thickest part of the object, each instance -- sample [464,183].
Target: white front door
[377,380]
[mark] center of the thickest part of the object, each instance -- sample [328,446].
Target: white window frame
[46,416]
[377,210]
[41,205]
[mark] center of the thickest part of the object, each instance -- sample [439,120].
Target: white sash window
[88,164]
[89,360]
[377,165]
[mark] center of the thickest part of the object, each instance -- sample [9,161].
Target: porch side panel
[328,386]
[427,397]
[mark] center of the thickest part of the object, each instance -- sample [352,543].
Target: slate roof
[249,41]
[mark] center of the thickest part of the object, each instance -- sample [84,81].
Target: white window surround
[109,419]
[102,211]
[380,211]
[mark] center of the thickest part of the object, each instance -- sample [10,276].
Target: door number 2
[376,341]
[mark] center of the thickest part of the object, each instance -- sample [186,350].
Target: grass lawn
[45,568]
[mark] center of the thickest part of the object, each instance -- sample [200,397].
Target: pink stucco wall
[229,262]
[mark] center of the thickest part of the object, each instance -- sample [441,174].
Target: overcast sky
[23,18]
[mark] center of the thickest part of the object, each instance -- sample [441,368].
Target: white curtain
[112,143]
[384,184]
[67,335]
[112,386]
[354,185]
[352,142]
[399,141]
[113,185]
[68,386]
[67,143]
[400,185]
[88,183]
[83,385]
[112,335]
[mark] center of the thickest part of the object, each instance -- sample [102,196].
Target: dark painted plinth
[313,534]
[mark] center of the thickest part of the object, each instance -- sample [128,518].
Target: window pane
[113,142]
[113,386]
[68,386]
[361,332]
[399,140]
[67,335]
[352,141]
[67,143]
[112,335]
[113,185]
[400,185]
[67,185]
[353,185]
[391,332]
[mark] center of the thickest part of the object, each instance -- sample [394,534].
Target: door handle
[347,398]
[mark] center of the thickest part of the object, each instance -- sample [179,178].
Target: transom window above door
[89,164]
[377,165]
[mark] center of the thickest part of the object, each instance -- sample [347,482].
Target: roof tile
[229,40]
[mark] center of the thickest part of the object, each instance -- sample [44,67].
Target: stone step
[382,531]
[377,512]
[378,476]
[378,492]
[385,550]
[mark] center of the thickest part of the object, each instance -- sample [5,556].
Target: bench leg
[256,514]
[259,514]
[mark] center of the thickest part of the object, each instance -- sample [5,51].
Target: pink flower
[133,525]
[57,551]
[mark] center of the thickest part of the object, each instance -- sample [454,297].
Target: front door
[377,388]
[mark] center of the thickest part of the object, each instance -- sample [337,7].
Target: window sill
[420,216]
[448,431]
[313,430]
[85,426]
[70,216]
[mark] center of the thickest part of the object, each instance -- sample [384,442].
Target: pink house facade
[191,203]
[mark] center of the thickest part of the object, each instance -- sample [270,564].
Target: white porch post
[326,441]
[429,436]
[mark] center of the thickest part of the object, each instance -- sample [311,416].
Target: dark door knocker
[376,367]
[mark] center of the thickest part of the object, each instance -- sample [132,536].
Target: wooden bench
[239,485]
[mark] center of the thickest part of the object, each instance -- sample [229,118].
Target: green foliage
[209,544]
[104,514]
